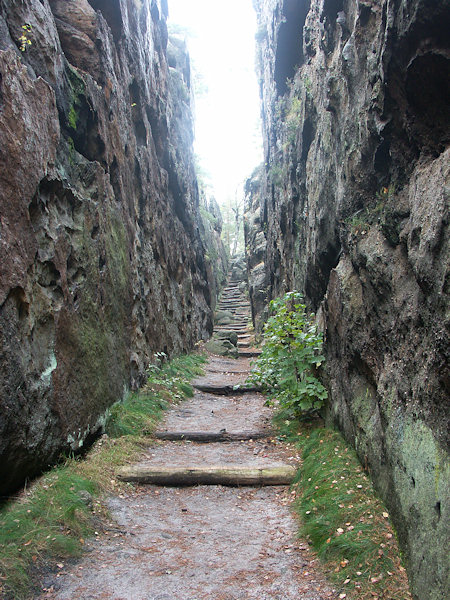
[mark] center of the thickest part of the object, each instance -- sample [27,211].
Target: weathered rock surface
[102,258]
[255,241]
[353,209]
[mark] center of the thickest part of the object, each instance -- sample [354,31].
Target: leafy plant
[290,355]
[294,119]
[358,223]
[278,174]
[24,40]
[386,193]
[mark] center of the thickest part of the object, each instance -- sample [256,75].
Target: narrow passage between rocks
[204,542]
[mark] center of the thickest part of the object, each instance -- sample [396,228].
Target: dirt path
[203,542]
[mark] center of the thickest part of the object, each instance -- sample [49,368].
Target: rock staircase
[206,439]
[234,310]
[222,402]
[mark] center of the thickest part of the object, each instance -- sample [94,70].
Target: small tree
[291,353]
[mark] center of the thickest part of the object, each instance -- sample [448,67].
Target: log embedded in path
[226,390]
[212,436]
[210,475]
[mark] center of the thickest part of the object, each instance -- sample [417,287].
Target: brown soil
[196,544]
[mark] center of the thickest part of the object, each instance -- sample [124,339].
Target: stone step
[238,318]
[235,328]
[232,326]
[251,353]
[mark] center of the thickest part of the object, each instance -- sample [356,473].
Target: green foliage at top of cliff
[292,351]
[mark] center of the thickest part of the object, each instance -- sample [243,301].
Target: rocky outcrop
[102,259]
[255,242]
[216,257]
[353,208]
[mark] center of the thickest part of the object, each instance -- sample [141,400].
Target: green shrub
[278,174]
[291,353]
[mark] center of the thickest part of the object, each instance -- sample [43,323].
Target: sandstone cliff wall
[352,209]
[101,258]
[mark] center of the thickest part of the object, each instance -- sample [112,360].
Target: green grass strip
[342,518]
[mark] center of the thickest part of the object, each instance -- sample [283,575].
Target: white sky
[222,48]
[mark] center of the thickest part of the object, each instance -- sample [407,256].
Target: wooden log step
[249,353]
[210,475]
[226,390]
[212,436]
[232,305]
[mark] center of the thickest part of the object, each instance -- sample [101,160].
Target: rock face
[102,261]
[216,257]
[352,209]
[255,242]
